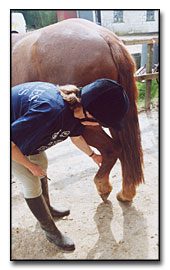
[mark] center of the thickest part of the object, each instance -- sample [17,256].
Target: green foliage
[154,93]
[38,18]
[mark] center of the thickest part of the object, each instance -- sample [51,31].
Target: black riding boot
[54,212]
[41,211]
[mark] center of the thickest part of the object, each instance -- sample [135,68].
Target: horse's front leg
[110,151]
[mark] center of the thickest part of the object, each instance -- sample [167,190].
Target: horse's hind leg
[128,191]
[110,151]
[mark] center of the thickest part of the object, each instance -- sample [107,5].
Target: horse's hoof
[122,198]
[105,196]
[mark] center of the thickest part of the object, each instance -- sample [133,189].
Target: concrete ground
[112,230]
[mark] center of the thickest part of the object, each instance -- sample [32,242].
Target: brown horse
[77,51]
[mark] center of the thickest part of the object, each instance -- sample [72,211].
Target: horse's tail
[130,139]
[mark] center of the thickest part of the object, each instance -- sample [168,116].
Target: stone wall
[134,22]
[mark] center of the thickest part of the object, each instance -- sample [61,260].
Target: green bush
[154,93]
[38,18]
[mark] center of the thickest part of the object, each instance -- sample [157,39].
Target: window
[150,15]
[118,16]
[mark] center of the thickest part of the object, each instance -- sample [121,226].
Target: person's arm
[18,157]
[80,143]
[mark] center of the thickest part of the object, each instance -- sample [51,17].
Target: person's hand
[36,170]
[97,159]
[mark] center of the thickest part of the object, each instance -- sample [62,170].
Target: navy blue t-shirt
[40,117]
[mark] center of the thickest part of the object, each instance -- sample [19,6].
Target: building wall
[66,14]
[86,14]
[133,22]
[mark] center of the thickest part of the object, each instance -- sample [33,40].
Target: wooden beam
[140,41]
[149,76]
